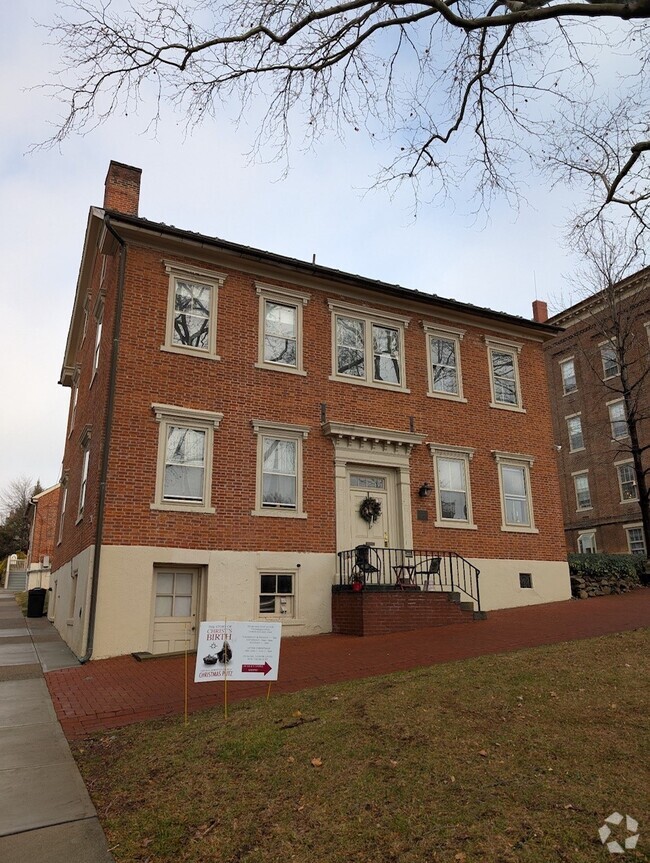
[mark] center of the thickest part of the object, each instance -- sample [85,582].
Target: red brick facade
[44,510]
[600,456]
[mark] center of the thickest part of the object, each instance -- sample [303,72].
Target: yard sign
[237,650]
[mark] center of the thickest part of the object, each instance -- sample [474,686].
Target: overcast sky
[204,182]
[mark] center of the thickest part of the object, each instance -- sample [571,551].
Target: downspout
[108,425]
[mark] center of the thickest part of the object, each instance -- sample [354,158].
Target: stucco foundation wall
[229,587]
[69,603]
[499,582]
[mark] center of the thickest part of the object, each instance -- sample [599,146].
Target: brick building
[42,513]
[233,411]
[599,491]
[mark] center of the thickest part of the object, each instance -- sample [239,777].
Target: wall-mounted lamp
[424,490]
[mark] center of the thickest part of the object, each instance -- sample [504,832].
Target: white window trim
[208,421]
[433,331]
[64,503]
[526,462]
[459,453]
[369,317]
[582,431]
[618,465]
[635,526]
[609,405]
[83,485]
[514,348]
[286,297]
[74,397]
[99,324]
[215,281]
[612,344]
[561,362]
[587,533]
[292,620]
[574,475]
[281,431]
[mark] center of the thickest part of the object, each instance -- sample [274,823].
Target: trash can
[36,601]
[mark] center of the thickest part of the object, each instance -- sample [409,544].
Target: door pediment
[350,437]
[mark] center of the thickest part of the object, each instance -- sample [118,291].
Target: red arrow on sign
[256,669]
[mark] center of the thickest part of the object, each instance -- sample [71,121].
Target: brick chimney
[122,188]
[540,311]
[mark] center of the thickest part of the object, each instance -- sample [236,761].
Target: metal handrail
[410,568]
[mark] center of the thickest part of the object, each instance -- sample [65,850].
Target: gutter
[108,426]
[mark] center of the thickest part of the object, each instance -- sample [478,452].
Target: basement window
[525,580]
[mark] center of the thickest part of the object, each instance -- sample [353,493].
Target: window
[98,341]
[185,445]
[516,498]
[635,539]
[192,310]
[587,542]
[627,482]
[64,500]
[279,469]
[368,349]
[445,380]
[281,328]
[504,374]
[574,428]
[174,594]
[277,594]
[617,419]
[84,481]
[583,495]
[451,474]
[74,397]
[568,371]
[525,580]
[609,359]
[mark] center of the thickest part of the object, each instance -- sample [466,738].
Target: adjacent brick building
[231,409]
[42,513]
[599,491]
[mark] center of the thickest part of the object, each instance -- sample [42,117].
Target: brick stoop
[379,612]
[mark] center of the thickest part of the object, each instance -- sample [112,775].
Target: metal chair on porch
[367,563]
[429,567]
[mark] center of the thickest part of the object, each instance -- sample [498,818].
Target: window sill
[79,518]
[278,513]
[580,449]
[394,388]
[276,367]
[279,618]
[175,507]
[189,352]
[570,392]
[447,397]
[512,408]
[629,500]
[459,526]
[70,621]
[584,509]
[507,528]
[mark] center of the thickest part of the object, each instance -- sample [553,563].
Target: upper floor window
[617,419]
[609,358]
[627,482]
[64,500]
[453,495]
[84,480]
[98,339]
[583,493]
[445,379]
[279,469]
[185,445]
[368,348]
[192,310]
[568,371]
[504,374]
[635,539]
[74,397]
[516,497]
[574,428]
[281,312]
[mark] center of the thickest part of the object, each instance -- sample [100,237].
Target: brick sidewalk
[112,692]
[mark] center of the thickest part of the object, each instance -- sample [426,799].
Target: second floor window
[574,428]
[617,419]
[609,359]
[444,366]
[192,310]
[568,371]
[84,481]
[583,494]
[184,465]
[627,482]
[503,359]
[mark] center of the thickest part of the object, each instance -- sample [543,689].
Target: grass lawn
[21,599]
[517,757]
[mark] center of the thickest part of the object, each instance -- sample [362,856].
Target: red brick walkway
[112,692]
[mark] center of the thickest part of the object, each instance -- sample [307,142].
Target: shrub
[599,566]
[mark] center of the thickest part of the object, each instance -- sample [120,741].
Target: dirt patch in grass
[516,757]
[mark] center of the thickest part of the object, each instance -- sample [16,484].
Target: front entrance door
[381,532]
[175,608]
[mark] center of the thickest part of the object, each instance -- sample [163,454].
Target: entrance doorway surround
[376,450]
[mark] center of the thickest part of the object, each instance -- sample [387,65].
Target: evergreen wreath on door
[370,509]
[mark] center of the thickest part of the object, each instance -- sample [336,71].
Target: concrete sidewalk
[46,814]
